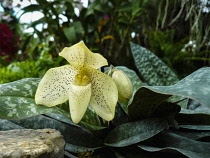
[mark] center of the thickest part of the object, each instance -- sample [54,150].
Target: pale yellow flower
[81,83]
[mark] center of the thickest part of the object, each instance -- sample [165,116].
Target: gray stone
[29,143]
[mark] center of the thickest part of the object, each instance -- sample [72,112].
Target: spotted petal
[54,86]
[80,55]
[79,98]
[104,94]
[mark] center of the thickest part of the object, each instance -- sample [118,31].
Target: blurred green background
[177,31]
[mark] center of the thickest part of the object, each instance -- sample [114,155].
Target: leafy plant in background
[178,34]
[106,26]
[109,31]
[53,12]
[16,70]
[34,64]
[175,54]
[149,125]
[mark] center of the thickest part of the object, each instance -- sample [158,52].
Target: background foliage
[176,31]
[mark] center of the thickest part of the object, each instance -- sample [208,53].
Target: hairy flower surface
[81,83]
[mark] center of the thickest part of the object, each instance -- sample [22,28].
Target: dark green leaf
[31,8]
[96,5]
[37,22]
[144,103]
[59,117]
[70,34]
[125,7]
[152,69]
[123,20]
[78,149]
[78,27]
[193,133]
[134,132]
[91,126]
[165,109]
[135,152]
[120,116]
[73,134]
[196,127]
[197,116]
[173,143]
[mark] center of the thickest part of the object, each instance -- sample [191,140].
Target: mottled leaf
[92,119]
[195,86]
[8,125]
[17,102]
[13,107]
[173,143]
[153,70]
[21,88]
[134,132]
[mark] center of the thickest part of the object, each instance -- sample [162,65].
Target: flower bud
[123,84]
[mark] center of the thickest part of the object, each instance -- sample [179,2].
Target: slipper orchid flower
[80,83]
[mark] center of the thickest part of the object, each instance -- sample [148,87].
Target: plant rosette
[114,114]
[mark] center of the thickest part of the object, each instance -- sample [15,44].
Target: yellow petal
[54,86]
[123,84]
[79,98]
[80,55]
[75,55]
[104,94]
